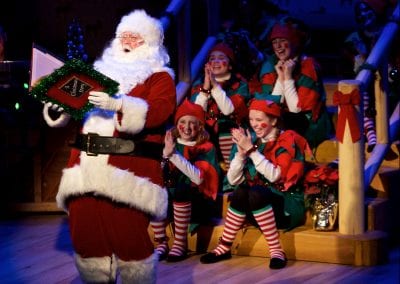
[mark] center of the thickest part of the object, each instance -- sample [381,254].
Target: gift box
[69,87]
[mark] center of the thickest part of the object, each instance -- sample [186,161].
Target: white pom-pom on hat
[138,21]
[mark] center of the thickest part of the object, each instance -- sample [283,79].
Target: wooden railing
[355,174]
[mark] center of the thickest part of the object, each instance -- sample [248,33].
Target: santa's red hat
[139,22]
[189,108]
[225,49]
[266,106]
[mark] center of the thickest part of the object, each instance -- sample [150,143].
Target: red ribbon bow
[347,113]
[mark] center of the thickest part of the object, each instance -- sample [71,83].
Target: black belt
[94,144]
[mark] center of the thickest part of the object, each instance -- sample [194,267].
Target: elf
[191,175]
[267,170]
[223,94]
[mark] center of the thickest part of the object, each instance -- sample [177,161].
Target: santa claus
[112,186]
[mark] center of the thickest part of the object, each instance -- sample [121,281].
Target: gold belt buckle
[88,142]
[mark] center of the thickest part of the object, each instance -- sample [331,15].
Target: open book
[43,64]
[66,84]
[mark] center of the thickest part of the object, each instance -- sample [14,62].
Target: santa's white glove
[104,101]
[62,119]
[54,107]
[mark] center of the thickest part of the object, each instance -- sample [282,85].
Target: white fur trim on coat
[118,185]
[139,271]
[134,112]
[97,269]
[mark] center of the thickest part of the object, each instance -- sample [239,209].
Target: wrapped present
[325,214]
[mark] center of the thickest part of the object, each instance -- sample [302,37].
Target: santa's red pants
[100,227]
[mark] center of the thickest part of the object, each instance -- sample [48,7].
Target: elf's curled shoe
[277,263]
[213,258]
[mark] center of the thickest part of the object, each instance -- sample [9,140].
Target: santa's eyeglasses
[130,36]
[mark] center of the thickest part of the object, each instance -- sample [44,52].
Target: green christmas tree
[75,46]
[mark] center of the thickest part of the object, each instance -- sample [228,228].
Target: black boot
[213,258]
[176,258]
[277,263]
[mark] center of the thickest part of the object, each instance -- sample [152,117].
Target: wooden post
[381,106]
[351,173]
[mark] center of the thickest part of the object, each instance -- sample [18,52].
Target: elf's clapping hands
[288,68]
[207,76]
[242,138]
[284,69]
[210,75]
[104,101]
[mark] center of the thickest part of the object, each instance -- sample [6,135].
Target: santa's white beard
[133,67]
[125,54]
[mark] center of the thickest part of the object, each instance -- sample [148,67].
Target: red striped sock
[233,222]
[266,220]
[369,124]
[225,144]
[182,213]
[160,236]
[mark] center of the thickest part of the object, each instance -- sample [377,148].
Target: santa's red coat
[135,181]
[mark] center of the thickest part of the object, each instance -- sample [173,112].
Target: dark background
[45,22]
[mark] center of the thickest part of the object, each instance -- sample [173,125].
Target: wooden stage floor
[37,249]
